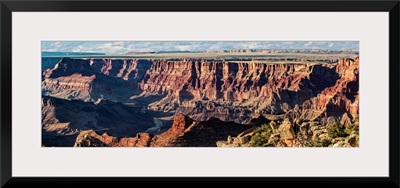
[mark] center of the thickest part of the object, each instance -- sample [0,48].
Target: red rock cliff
[90,79]
[201,88]
[238,91]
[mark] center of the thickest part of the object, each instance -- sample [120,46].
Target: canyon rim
[200,94]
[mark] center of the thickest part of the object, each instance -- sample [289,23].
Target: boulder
[352,140]
[286,132]
[229,140]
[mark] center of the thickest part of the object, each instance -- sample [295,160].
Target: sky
[123,47]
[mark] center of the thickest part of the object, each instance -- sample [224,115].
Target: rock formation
[339,102]
[210,98]
[49,62]
[241,91]
[91,79]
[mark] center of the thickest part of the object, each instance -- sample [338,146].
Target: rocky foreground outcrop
[184,132]
[298,133]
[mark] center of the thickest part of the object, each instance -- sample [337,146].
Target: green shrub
[336,130]
[356,119]
[261,136]
[353,127]
[262,128]
[322,143]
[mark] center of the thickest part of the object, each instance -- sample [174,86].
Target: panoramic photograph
[200,93]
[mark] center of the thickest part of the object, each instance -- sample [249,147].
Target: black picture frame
[7,7]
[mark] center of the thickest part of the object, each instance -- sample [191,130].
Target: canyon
[196,101]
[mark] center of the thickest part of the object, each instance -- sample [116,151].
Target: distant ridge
[55,54]
[314,51]
[159,52]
